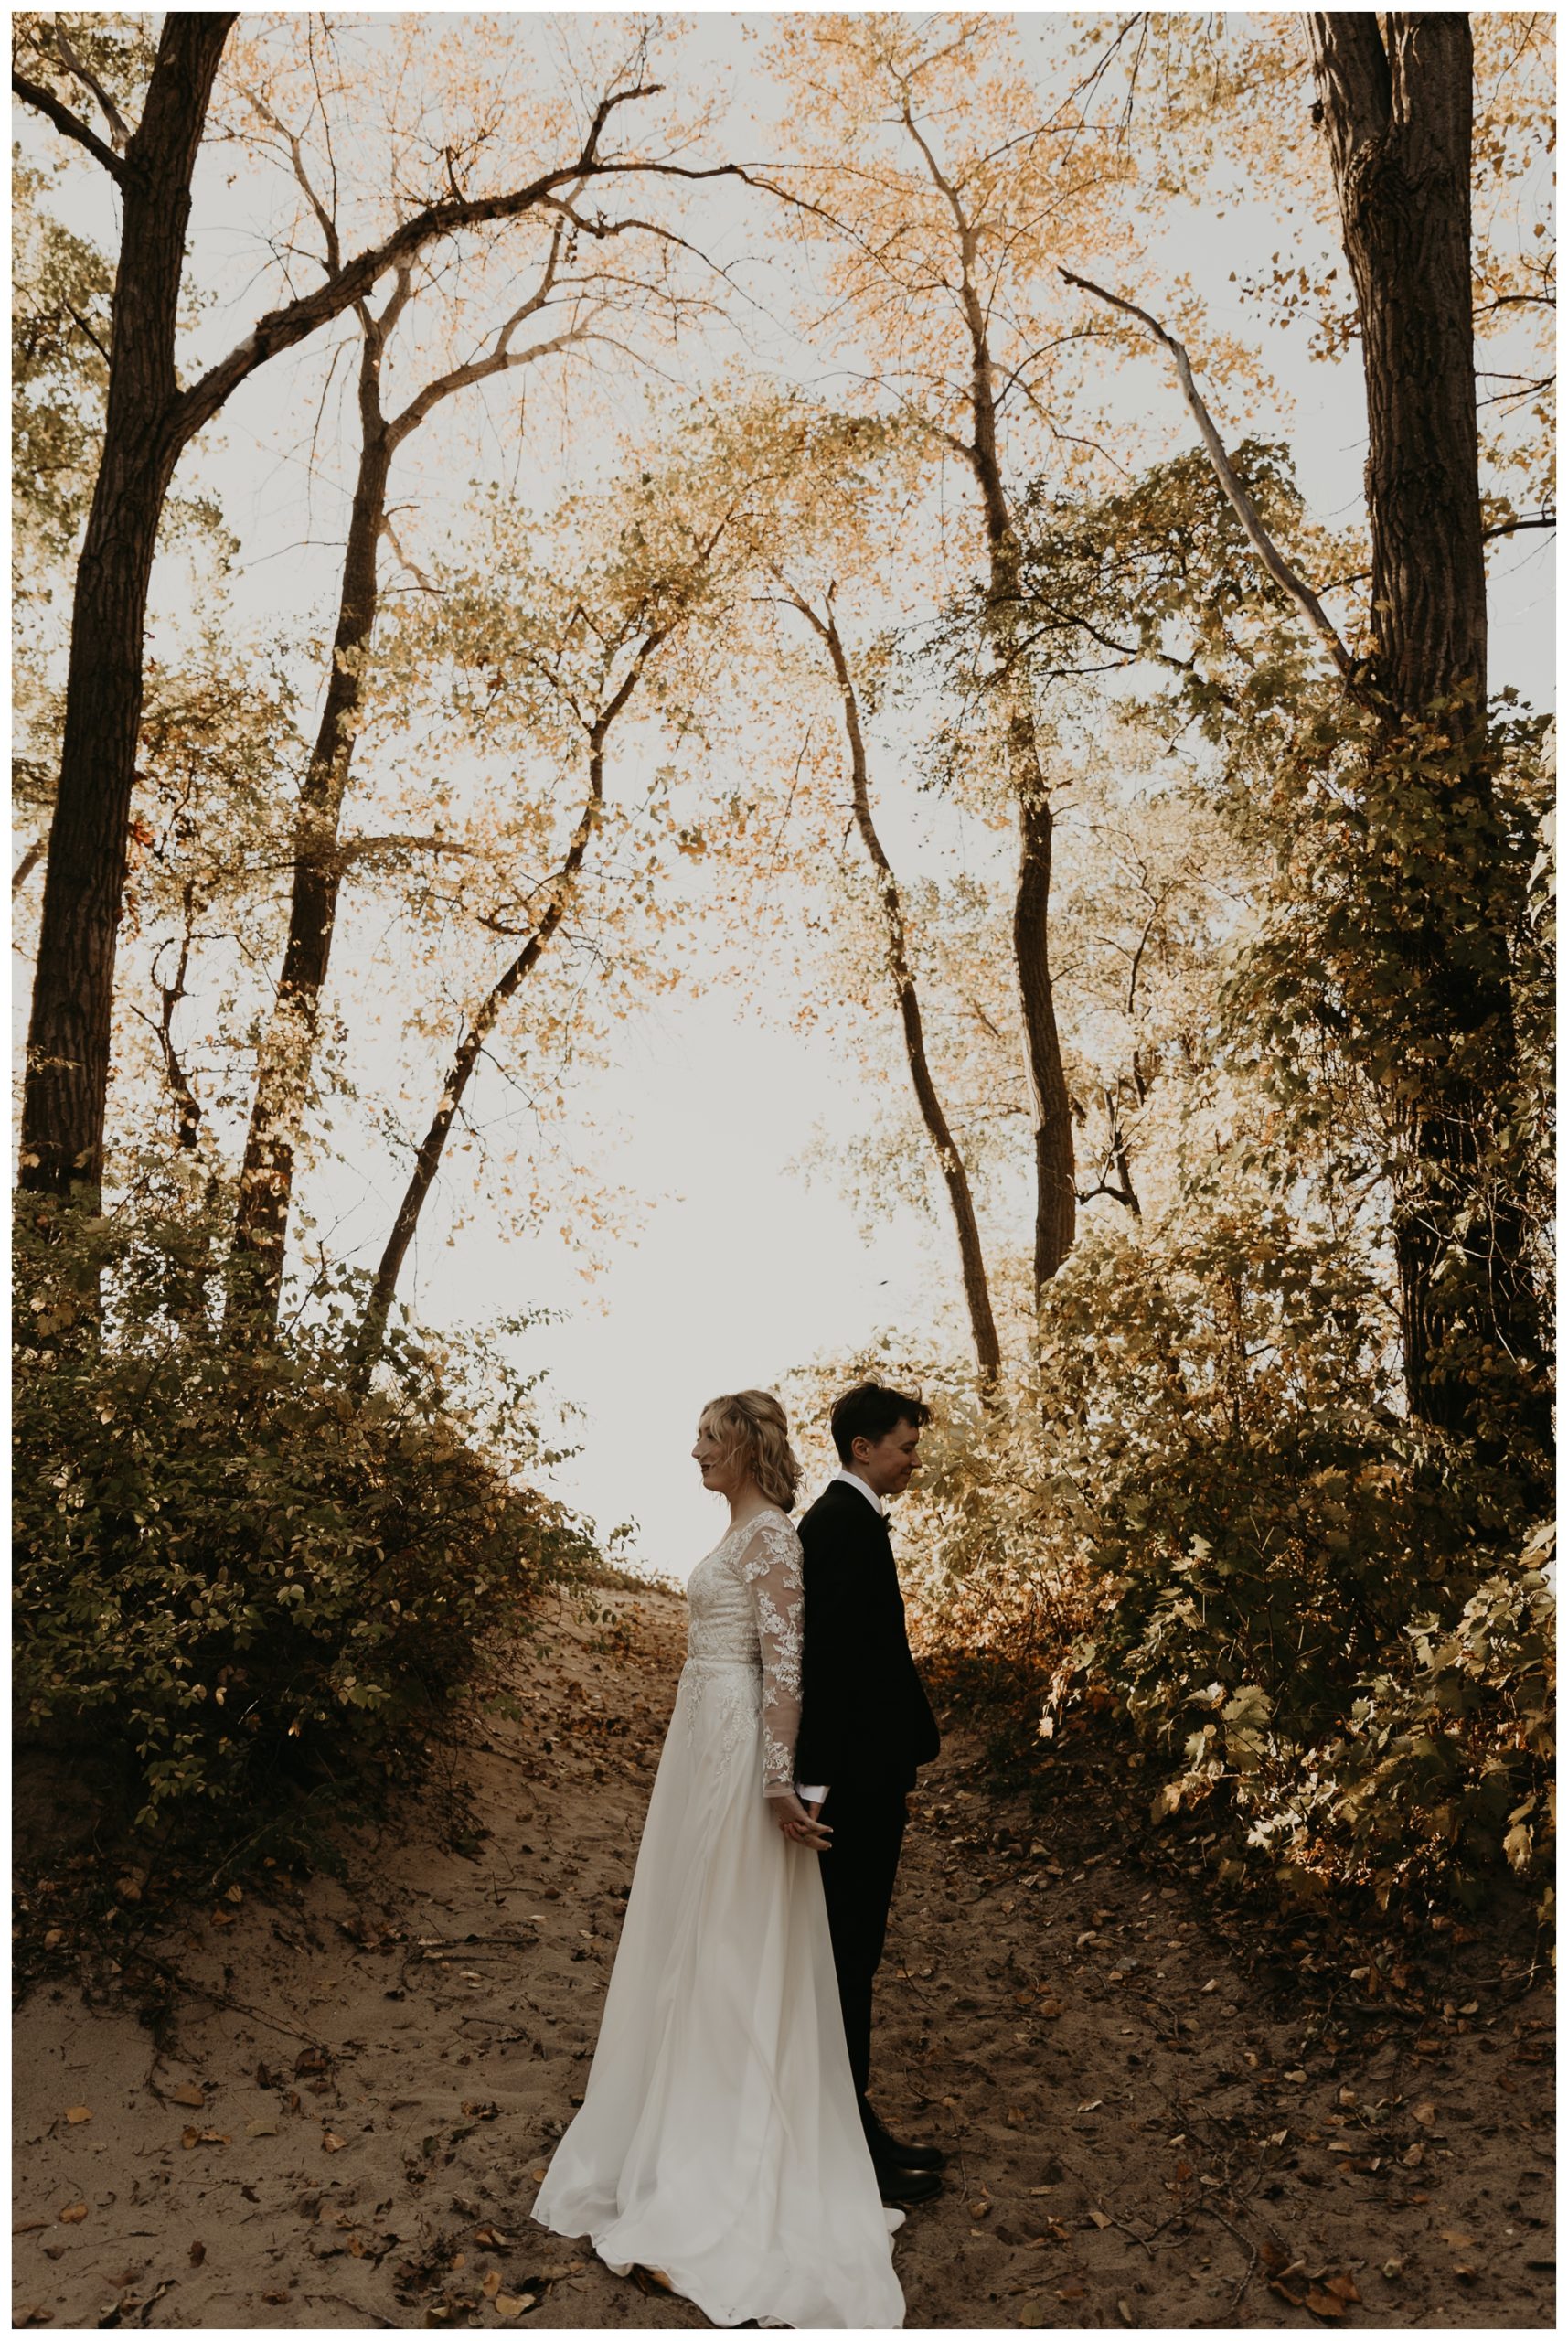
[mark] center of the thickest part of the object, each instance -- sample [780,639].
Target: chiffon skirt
[718,2139]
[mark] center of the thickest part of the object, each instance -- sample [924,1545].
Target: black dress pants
[858,1873]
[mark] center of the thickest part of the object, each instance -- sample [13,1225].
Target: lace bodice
[746,1604]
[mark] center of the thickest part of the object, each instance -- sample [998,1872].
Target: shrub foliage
[230,1566]
[1322,1621]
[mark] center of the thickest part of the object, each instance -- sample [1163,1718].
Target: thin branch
[283,328]
[45,103]
[119,130]
[1242,504]
[28,863]
[80,322]
[411,566]
[1522,520]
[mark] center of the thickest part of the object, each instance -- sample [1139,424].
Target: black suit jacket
[865,1717]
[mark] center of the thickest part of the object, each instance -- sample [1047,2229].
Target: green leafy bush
[1207,1510]
[230,1566]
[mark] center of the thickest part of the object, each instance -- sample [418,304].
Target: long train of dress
[718,2139]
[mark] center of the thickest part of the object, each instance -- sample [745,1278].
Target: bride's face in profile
[722,1474]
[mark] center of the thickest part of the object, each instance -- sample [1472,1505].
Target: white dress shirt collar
[851,1480]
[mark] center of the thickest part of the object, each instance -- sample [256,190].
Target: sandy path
[1136,2137]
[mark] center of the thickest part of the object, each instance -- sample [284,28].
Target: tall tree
[150,421]
[584,300]
[573,654]
[820,613]
[1397,100]
[67,1045]
[944,181]
[1425,958]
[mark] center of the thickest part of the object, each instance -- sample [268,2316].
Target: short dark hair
[871,1411]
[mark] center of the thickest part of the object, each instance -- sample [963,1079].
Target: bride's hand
[802,1828]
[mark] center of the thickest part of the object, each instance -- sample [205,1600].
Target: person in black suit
[866,1724]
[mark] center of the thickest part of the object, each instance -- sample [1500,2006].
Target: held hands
[800,1824]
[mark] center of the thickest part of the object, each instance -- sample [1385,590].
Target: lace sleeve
[770,1563]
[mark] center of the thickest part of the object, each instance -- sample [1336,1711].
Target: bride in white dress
[718,2143]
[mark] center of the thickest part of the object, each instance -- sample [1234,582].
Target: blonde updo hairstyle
[755,1431]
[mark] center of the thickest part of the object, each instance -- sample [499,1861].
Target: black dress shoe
[892,2154]
[902,2186]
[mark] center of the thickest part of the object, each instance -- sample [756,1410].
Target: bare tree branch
[44,101]
[282,329]
[1242,504]
[119,130]
[1520,520]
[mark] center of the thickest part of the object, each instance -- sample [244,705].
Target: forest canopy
[521,518]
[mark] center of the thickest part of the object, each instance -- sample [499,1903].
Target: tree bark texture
[1396,105]
[950,1163]
[68,1036]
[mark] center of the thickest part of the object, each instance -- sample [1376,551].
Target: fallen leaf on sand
[492,2284]
[1101,2219]
[1091,2105]
[1451,2235]
[187,2093]
[73,2215]
[1069,2291]
[189,2138]
[1426,2114]
[331,2143]
[79,2113]
[260,2128]
[511,2304]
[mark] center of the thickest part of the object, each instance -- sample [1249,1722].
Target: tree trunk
[282,1081]
[84,883]
[148,423]
[372,1329]
[1396,105]
[950,1163]
[1399,124]
[1056,1192]
[1056,1186]
[1055,1169]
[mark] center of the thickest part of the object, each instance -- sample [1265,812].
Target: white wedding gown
[718,2139]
